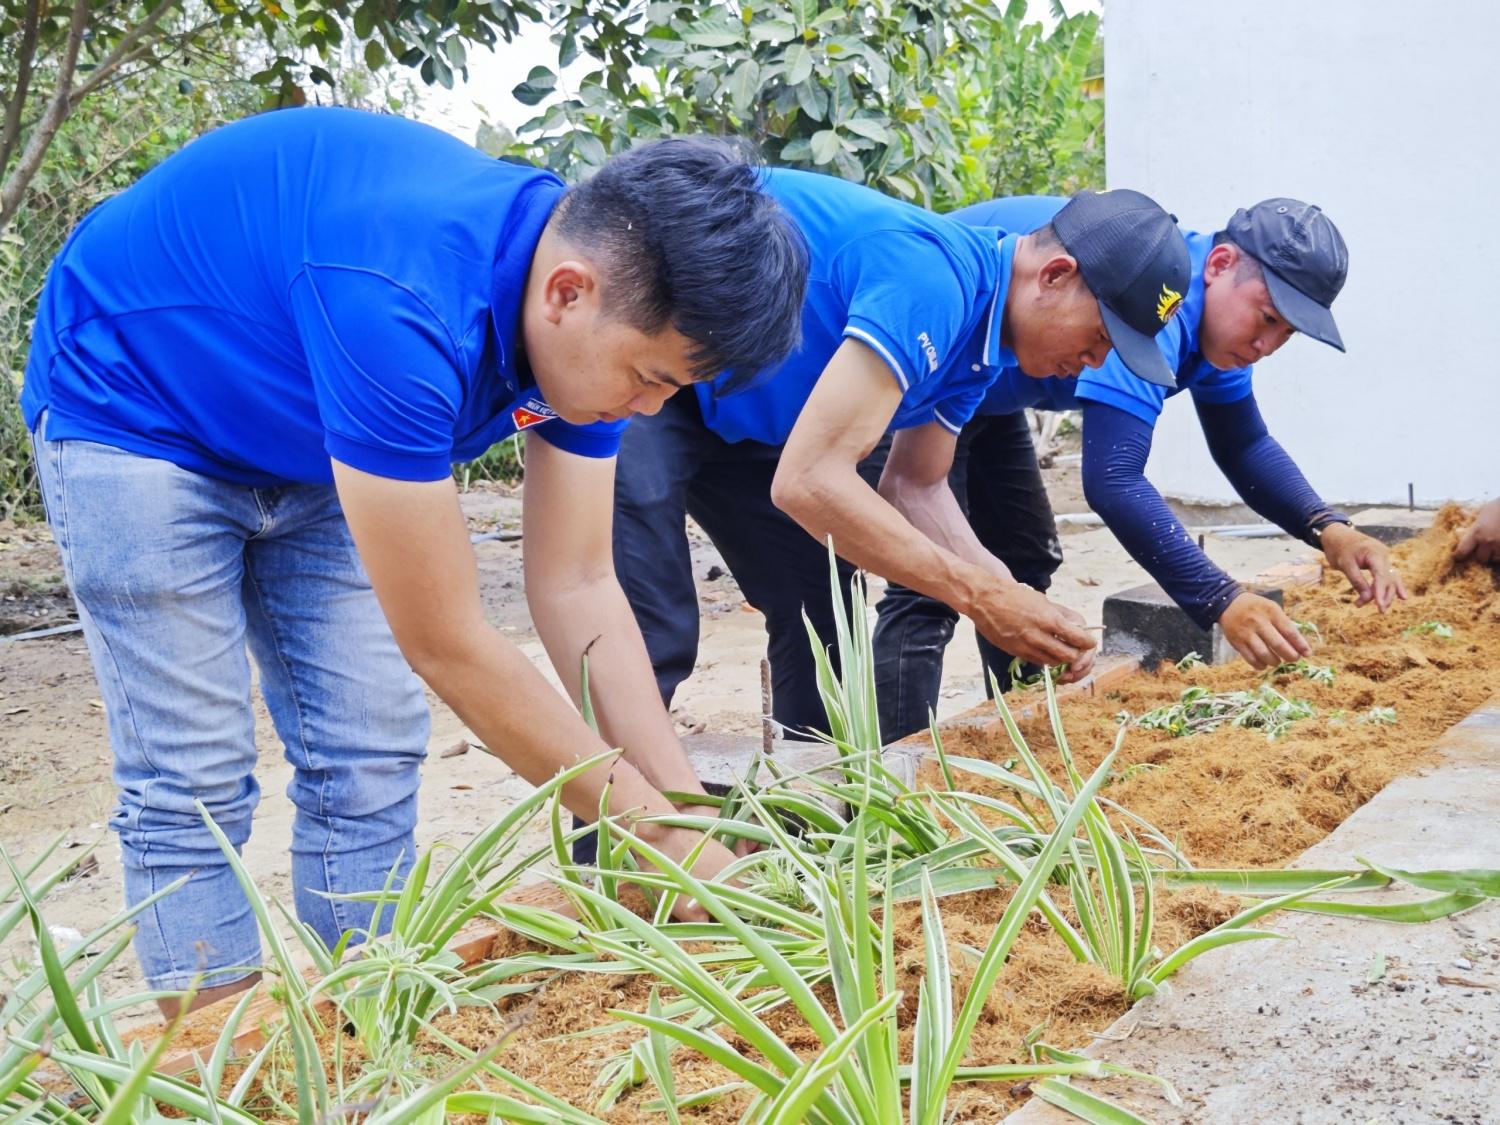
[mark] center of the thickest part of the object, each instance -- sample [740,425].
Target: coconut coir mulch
[1231,798]
[1234,799]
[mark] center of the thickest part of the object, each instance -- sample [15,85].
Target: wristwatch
[1315,531]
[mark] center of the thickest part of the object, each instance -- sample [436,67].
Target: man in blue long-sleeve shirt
[1272,271]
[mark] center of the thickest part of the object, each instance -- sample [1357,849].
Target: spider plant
[856,1076]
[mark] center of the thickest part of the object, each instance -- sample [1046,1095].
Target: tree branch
[12,131]
[20,177]
[142,51]
[127,49]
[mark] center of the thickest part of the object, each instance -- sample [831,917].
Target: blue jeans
[175,574]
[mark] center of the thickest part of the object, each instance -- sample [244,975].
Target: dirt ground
[54,750]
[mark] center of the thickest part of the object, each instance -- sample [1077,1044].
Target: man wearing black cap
[909,317]
[1274,270]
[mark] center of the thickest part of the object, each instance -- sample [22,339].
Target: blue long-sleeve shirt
[1116,445]
[1119,417]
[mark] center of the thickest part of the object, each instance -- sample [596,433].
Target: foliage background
[943,102]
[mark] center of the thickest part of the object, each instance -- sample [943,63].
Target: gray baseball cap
[1304,259]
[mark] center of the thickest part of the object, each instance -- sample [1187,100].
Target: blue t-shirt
[1112,382]
[302,285]
[925,293]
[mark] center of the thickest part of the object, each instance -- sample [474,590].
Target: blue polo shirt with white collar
[1112,383]
[925,293]
[302,285]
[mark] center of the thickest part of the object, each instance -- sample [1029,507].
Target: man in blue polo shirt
[909,316]
[1275,269]
[250,376]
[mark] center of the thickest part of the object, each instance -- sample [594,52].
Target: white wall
[1382,112]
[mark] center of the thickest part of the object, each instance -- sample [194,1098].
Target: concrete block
[1392,525]
[904,758]
[1146,623]
[729,758]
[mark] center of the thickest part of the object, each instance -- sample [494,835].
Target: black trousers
[671,466]
[998,484]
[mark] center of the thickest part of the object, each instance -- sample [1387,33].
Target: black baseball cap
[1304,259]
[1135,262]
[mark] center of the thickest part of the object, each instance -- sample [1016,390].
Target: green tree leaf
[799,64]
[744,85]
[540,82]
[825,146]
[772,31]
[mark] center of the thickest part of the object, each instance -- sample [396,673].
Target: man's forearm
[1115,448]
[934,511]
[595,616]
[522,720]
[833,501]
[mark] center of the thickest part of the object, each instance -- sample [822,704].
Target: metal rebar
[767,725]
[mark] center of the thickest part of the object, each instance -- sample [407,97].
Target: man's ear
[1221,262]
[1058,272]
[569,286]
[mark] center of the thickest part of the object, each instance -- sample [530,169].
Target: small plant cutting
[1317,673]
[1199,710]
[1438,629]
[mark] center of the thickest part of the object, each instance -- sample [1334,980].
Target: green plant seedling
[1317,673]
[1199,710]
[1430,628]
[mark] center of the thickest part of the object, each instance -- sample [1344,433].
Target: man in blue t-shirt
[909,316]
[250,376]
[1275,269]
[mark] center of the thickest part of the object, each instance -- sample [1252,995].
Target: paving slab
[1297,1031]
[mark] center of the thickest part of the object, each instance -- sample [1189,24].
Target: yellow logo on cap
[1168,303]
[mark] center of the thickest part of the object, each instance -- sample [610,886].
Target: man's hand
[678,844]
[1261,632]
[1366,562]
[1022,622]
[1482,541]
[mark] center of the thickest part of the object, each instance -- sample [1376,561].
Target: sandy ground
[54,750]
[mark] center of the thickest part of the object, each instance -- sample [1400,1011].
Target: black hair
[685,235]
[1046,237]
[1247,267]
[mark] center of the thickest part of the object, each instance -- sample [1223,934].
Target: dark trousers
[999,486]
[671,466]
